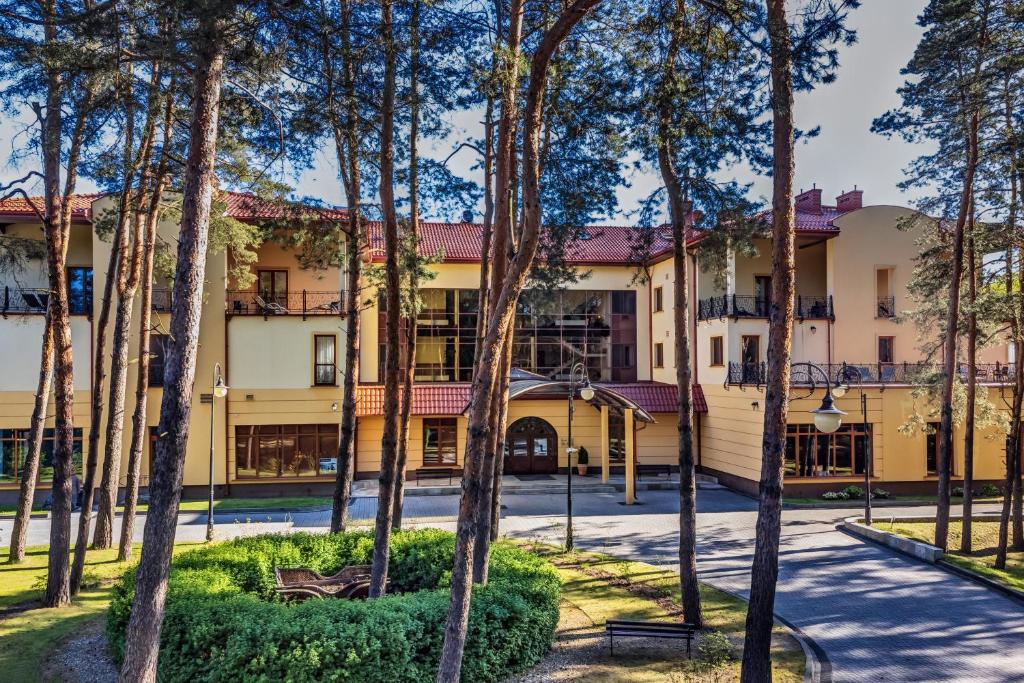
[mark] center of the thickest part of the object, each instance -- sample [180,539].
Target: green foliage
[989,491]
[854,492]
[835,495]
[223,621]
[583,457]
[958,492]
[714,648]
[881,494]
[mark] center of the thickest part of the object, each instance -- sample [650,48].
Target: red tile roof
[19,207]
[659,397]
[451,398]
[460,243]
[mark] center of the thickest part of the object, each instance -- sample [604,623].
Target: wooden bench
[649,629]
[428,473]
[653,470]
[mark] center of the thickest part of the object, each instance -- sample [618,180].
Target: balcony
[886,307]
[303,303]
[33,301]
[747,306]
[870,373]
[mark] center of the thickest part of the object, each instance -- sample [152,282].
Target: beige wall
[273,256]
[277,353]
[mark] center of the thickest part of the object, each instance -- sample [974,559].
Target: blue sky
[846,153]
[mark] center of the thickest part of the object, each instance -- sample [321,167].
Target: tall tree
[143,633]
[498,329]
[389,440]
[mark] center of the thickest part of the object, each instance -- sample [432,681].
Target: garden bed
[223,621]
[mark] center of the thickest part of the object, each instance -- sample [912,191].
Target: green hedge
[223,622]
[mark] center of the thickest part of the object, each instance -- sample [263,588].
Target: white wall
[20,344]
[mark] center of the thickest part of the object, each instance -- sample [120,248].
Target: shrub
[958,491]
[835,495]
[989,491]
[583,457]
[714,648]
[854,492]
[881,494]
[223,621]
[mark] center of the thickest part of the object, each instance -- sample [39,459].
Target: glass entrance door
[531,447]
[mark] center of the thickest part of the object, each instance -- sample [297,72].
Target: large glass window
[14,450]
[80,290]
[158,346]
[809,453]
[286,451]
[440,439]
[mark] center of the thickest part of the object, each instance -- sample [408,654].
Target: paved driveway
[878,615]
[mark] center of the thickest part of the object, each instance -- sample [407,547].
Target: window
[885,350]
[324,368]
[440,441]
[624,302]
[80,290]
[931,456]
[659,299]
[616,436]
[14,450]
[286,450]
[158,346]
[623,356]
[809,453]
[717,358]
[884,293]
[659,355]
[273,286]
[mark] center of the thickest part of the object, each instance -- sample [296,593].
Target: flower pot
[582,469]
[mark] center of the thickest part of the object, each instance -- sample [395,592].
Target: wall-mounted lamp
[813,329]
[754,405]
[334,406]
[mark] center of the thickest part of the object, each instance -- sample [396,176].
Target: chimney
[850,201]
[809,201]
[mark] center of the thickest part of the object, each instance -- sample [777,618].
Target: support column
[630,458]
[605,446]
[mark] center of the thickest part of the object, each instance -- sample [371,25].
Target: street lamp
[847,376]
[220,390]
[577,377]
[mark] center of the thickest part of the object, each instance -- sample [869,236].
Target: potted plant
[582,458]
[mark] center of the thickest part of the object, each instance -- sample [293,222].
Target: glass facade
[270,451]
[14,450]
[553,331]
[810,453]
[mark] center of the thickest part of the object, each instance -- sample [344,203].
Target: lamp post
[847,376]
[577,376]
[220,390]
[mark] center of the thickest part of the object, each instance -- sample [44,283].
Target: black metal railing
[302,303]
[871,373]
[33,300]
[886,307]
[747,306]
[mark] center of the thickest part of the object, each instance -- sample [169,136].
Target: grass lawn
[229,504]
[592,593]
[984,539]
[26,638]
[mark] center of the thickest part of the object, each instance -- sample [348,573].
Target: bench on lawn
[653,470]
[649,629]
[428,473]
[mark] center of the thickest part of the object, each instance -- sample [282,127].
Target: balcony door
[762,294]
[531,447]
[273,286]
[750,357]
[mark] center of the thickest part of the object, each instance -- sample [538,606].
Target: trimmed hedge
[223,622]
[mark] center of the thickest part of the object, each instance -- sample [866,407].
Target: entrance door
[531,447]
[762,294]
[273,286]
[750,357]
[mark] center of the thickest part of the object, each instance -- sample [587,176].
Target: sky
[846,153]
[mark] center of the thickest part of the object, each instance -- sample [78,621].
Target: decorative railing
[747,306]
[35,300]
[871,373]
[304,303]
[886,307]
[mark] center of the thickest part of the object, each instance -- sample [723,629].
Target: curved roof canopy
[603,395]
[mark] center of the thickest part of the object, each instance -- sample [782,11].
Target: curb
[902,544]
[876,503]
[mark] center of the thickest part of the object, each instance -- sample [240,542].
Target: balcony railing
[35,300]
[886,307]
[746,306]
[303,303]
[871,373]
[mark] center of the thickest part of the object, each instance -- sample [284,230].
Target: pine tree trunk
[389,439]
[143,634]
[30,471]
[1013,446]
[972,390]
[140,430]
[346,145]
[949,346]
[404,418]
[500,325]
[764,571]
